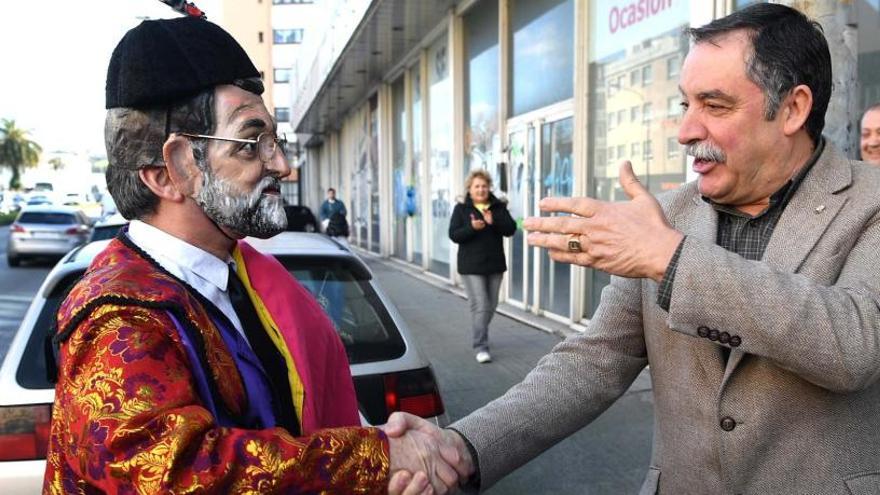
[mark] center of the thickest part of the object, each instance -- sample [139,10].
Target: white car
[390,373]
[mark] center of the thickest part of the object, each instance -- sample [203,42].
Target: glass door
[521,157]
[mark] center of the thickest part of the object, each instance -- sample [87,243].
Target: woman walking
[478,225]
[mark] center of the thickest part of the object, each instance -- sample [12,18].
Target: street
[17,287]
[608,457]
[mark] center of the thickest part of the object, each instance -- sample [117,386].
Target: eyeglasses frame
[275,138]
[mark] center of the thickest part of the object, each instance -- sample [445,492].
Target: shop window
[287,36]
[618,46]
[481,85]
[399,181]
[440,138]
[542,43]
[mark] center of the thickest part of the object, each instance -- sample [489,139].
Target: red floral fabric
[128,419]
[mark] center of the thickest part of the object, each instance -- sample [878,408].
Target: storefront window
[360,184]
[398,169]
[520,175]
[556,180]
[481,76]
[542,53]
[652,43]
[440,132]
[415,172]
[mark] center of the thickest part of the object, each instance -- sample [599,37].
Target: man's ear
[796,109]
[180,164]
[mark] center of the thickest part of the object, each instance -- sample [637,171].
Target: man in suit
[754,293]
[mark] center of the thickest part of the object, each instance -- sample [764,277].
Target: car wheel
[13,260]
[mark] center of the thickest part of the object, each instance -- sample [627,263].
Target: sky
[54,64]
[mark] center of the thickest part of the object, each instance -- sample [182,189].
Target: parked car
[108,227]
[390,373]
[85,202]
[300,219]
[46,230]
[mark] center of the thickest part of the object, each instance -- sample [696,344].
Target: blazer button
[703,331]
[727,423]
[735,341]
[713,334]
[724,337]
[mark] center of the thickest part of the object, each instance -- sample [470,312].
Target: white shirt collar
[178,257]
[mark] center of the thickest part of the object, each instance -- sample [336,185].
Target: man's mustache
[705,151]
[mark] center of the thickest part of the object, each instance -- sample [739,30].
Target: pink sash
[328,398]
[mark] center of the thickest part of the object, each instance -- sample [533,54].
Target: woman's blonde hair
[477,174]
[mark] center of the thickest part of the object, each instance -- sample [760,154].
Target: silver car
[390,373]
[46,230]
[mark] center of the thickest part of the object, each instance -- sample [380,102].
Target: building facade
[397,101]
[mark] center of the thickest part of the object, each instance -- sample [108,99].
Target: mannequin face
[238,190]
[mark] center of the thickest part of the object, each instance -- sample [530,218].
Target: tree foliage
[17,150]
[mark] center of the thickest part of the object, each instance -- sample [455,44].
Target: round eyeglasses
[266,143]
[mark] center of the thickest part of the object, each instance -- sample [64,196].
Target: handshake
[425,459]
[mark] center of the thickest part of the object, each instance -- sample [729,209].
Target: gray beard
[251,214]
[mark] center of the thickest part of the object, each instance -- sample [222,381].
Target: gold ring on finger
[574,243]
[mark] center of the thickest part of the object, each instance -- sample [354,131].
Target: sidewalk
[610,456]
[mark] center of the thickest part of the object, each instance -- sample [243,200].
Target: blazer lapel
[806,218]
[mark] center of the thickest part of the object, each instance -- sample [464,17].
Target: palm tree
[17,150]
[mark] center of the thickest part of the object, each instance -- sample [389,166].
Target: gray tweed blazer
[796,408]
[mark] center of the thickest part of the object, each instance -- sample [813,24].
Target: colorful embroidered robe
[150,399]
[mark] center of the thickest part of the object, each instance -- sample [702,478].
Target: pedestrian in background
[333,216]
[870,140]
[478,225]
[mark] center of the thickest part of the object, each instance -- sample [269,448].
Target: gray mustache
[705,151]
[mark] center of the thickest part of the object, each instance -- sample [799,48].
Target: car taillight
[18,228]
[24,432]
[73,231]
[414,392]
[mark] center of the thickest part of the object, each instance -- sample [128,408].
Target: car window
[103,232]
[31,373]
[47,217]
[343,290]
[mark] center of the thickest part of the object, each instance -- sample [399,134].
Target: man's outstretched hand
[425,458]
[630,239]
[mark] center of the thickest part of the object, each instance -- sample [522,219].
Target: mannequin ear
[158,180]
[180,164]
[796,109]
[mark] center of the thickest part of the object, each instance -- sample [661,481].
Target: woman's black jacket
[480,252]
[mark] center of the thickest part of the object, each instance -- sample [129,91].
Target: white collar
[176,255]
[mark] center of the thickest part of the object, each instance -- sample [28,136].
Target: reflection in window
[287,36]
[440,132]
[398,169]
[556,180]
[282,75]
[542,54]
[658,46]
[415,172]
[481,76]
[282,114]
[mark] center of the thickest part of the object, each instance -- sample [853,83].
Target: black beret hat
[163,61]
